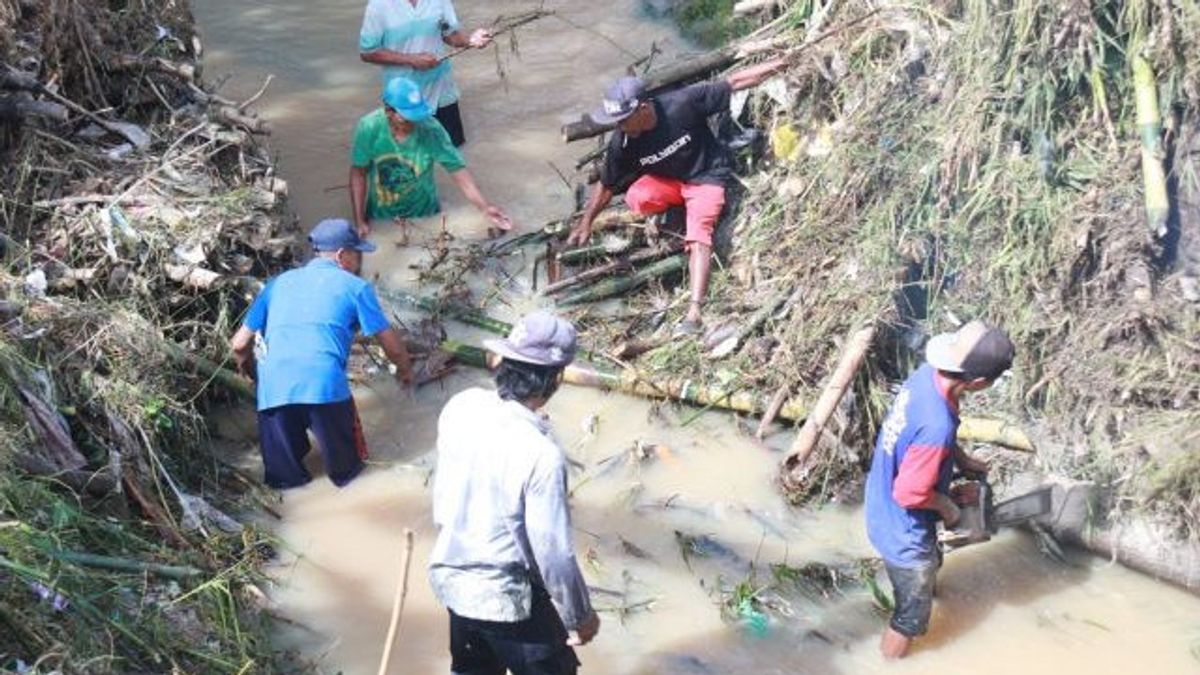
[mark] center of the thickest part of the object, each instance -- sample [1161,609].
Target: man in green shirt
[391,164]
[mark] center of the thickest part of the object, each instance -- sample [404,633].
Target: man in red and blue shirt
[908,488]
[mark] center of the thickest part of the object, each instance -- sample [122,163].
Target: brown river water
[1002,607]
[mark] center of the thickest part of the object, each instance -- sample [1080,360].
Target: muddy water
[1002,607]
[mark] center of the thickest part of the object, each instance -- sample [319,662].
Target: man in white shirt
[504,561]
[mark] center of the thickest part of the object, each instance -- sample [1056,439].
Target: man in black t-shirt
[663,144]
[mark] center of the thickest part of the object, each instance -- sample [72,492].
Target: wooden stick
[397,603]
[772,412]
[795,464]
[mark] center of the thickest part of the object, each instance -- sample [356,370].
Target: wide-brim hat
[975,350]
[539,338]
[621,100]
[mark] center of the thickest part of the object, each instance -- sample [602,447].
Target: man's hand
[584,633]
[969,464]
[405,377]
[580,234]
[364,228]
[498,217]
[246,366]
[949,511]
[480,38]
[423,61]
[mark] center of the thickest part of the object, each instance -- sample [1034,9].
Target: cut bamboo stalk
[1149,122]
[795,466]
[229,379]
[997,432]
[625,263]
[124,564]
[460,314]
[607,288]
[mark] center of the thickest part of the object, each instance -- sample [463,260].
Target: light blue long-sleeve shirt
[500,503]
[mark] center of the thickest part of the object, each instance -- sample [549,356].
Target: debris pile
[138,212]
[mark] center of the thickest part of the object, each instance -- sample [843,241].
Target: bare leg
[893,645]
[699,268]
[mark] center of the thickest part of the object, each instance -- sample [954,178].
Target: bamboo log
[997,432]
[657,80]
[1149,122]
[621,264]
[744,7]
[607,288]
[1135,542]
[13,108]
[728,345]
[631,382]
[184,71]
[125,564]
[230,380]
[795,466]
[460,314]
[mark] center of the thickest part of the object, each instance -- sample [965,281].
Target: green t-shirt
[400,175]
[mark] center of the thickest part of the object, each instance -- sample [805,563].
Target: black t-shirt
[680,145]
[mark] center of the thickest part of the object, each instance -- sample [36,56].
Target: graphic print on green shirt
[400,174]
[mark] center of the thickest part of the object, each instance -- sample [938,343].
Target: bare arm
[466,183]
[396,351]
[601,196]
[754,75]
[242,345]
[358,198]
[391,57]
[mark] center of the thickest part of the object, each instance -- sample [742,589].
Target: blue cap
[620,100]
[334,233]
[404,96]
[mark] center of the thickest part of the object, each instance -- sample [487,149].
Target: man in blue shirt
[908,488]
[295,341]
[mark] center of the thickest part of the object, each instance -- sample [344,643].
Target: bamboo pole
[607,288]
[657,80]
[631,382]
[230,380]
[1149,122]
[460,314]
[796,464]
[624,263]
[124,564]
[998,432]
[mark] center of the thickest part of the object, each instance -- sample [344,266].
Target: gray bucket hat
[539,338]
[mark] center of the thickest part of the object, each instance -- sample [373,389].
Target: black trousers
[451,119]
[535,646]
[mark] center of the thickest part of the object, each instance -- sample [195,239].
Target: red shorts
[654,194]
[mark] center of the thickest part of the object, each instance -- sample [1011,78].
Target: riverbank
[139,211]
[881,126]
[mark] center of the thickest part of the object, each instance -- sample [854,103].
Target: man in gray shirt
[504,562]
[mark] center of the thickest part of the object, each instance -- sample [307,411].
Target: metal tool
[978,522]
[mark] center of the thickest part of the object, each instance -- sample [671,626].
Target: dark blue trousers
[535,646]
[283,436]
